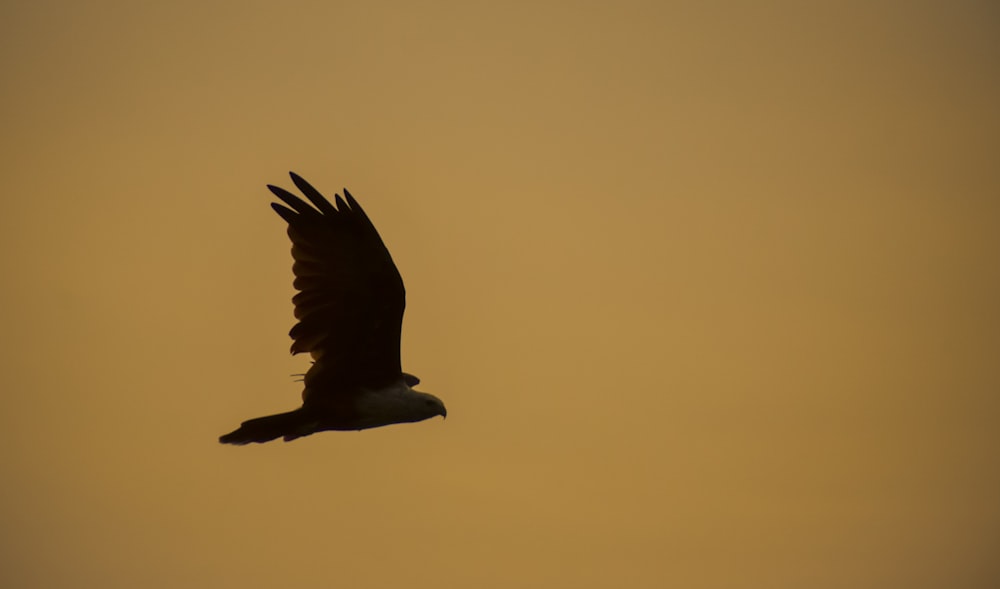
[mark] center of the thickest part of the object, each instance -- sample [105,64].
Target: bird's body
[350,310]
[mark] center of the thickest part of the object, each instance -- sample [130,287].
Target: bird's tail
[289,426]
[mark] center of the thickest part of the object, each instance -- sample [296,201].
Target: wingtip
[353,203]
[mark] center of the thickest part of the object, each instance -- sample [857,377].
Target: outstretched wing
[351,298]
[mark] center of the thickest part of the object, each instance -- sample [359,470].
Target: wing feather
[313,195]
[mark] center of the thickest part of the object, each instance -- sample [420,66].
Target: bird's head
[427,406]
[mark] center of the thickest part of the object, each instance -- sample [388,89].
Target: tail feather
[289,426]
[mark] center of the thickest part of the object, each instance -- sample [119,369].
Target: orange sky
[710,293]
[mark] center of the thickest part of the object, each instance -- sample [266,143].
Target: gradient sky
[710,290]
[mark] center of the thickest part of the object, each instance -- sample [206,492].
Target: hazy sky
[710,290]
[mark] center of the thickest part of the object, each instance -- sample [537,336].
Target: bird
[349,307]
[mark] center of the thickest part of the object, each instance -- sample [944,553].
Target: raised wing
[351,297]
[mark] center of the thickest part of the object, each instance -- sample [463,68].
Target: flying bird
[349,308]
